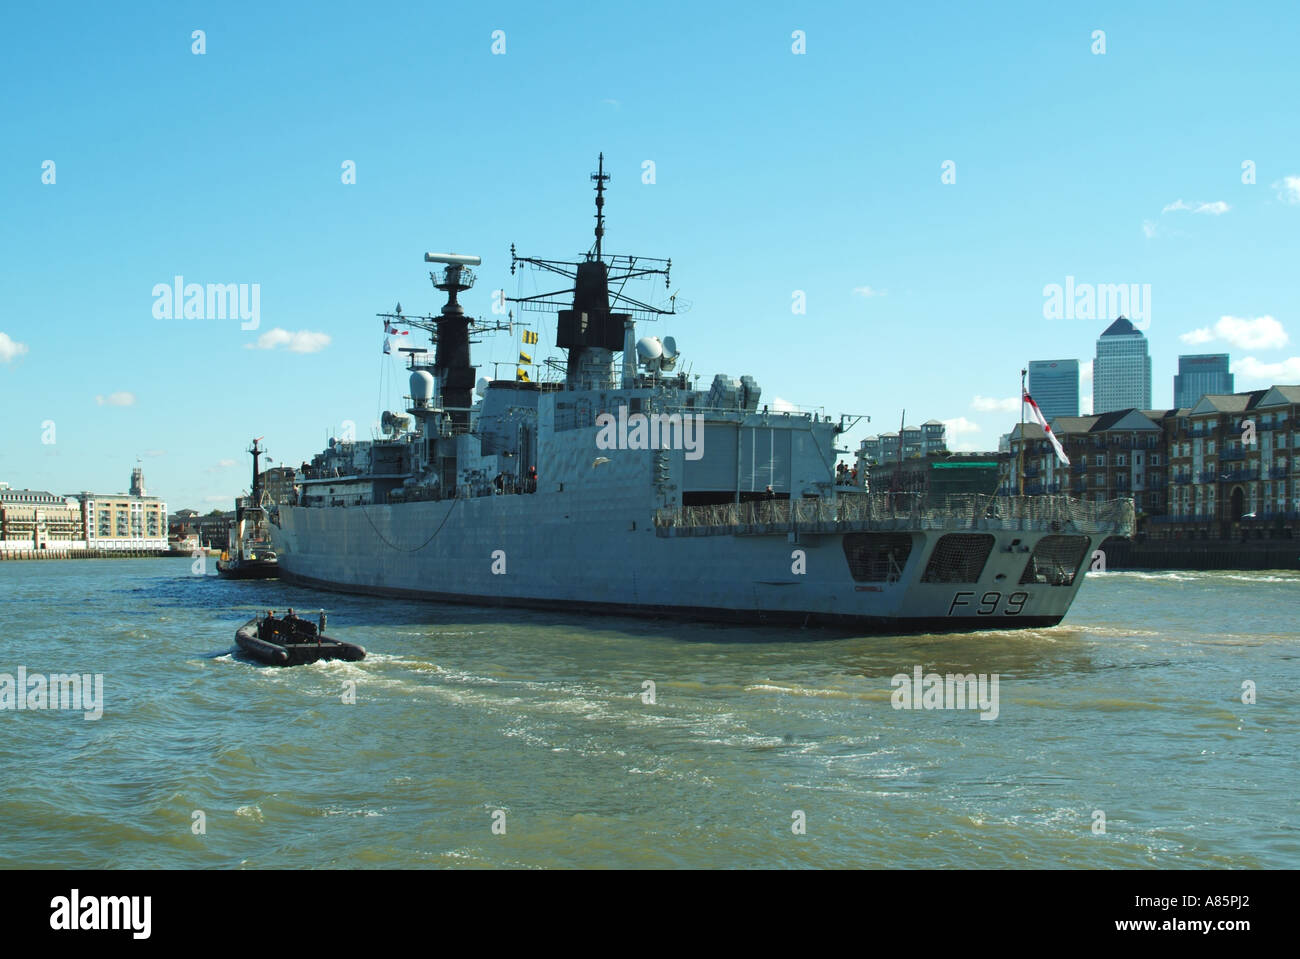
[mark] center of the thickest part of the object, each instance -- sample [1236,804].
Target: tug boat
[248,553]
[292,641]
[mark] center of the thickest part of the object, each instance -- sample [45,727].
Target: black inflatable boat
[291,642]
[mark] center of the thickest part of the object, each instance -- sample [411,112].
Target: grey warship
[617,485]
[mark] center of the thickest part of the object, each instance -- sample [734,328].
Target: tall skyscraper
[1054,385]
[1199,374]
[1121,371]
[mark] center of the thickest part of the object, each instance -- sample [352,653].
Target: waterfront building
[125,521]
[1121,370]
[36,519]
[1234,469]
[1054,385]
[939,475]
[1222,469]
[1200,374]
[1112,455]
[277,482]
[929,439]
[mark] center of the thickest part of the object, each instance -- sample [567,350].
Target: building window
[1209,447]
[1099,459]
[1155,459]
[1121,460]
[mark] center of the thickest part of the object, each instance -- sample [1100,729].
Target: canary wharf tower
[1121,371]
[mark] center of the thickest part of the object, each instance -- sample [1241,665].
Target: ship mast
[586,325]
[600,176]
[257,473]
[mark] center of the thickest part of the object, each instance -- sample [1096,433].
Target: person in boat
[267,629]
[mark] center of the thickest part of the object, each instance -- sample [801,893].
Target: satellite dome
[422,384]
[649,348]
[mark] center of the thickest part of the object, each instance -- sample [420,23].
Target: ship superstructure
[622,485]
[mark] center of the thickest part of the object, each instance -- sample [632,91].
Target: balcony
[1279,472]
[1079,467]
[1182,479]
[1031,472]
[1208,476]
[1250,473]
[1231,454]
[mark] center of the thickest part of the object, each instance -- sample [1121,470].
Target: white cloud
[783,406]
[867,292]
[1286,372]
[1214,208]
[218,499]
[10,348]
[1148,229]
[121,398]
[1197,337]
[988,404]
[1259,333]
[304,341]
[1288,189]
[959,424]
[1085,388]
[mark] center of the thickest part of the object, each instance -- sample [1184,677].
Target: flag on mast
[1042,421]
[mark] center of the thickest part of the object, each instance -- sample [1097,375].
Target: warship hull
[562,551]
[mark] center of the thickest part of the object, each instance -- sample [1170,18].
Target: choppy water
[1132,707]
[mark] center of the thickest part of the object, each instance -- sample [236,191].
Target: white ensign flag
[1042,421]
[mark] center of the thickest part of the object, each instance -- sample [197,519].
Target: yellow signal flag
[521,375]
[530,336]
[524,357]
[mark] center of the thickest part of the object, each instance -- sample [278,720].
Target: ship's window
[1056,560]
[958,558]
[877,557]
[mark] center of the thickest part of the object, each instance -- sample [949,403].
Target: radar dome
[649,350]
[422,384]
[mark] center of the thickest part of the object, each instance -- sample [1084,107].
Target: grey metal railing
[894,511]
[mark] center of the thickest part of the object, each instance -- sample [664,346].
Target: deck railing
[895,512]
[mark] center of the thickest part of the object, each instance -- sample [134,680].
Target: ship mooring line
[403,549]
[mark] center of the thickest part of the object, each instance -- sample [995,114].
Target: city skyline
[921,236]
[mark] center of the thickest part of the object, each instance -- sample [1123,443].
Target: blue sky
[775,172]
